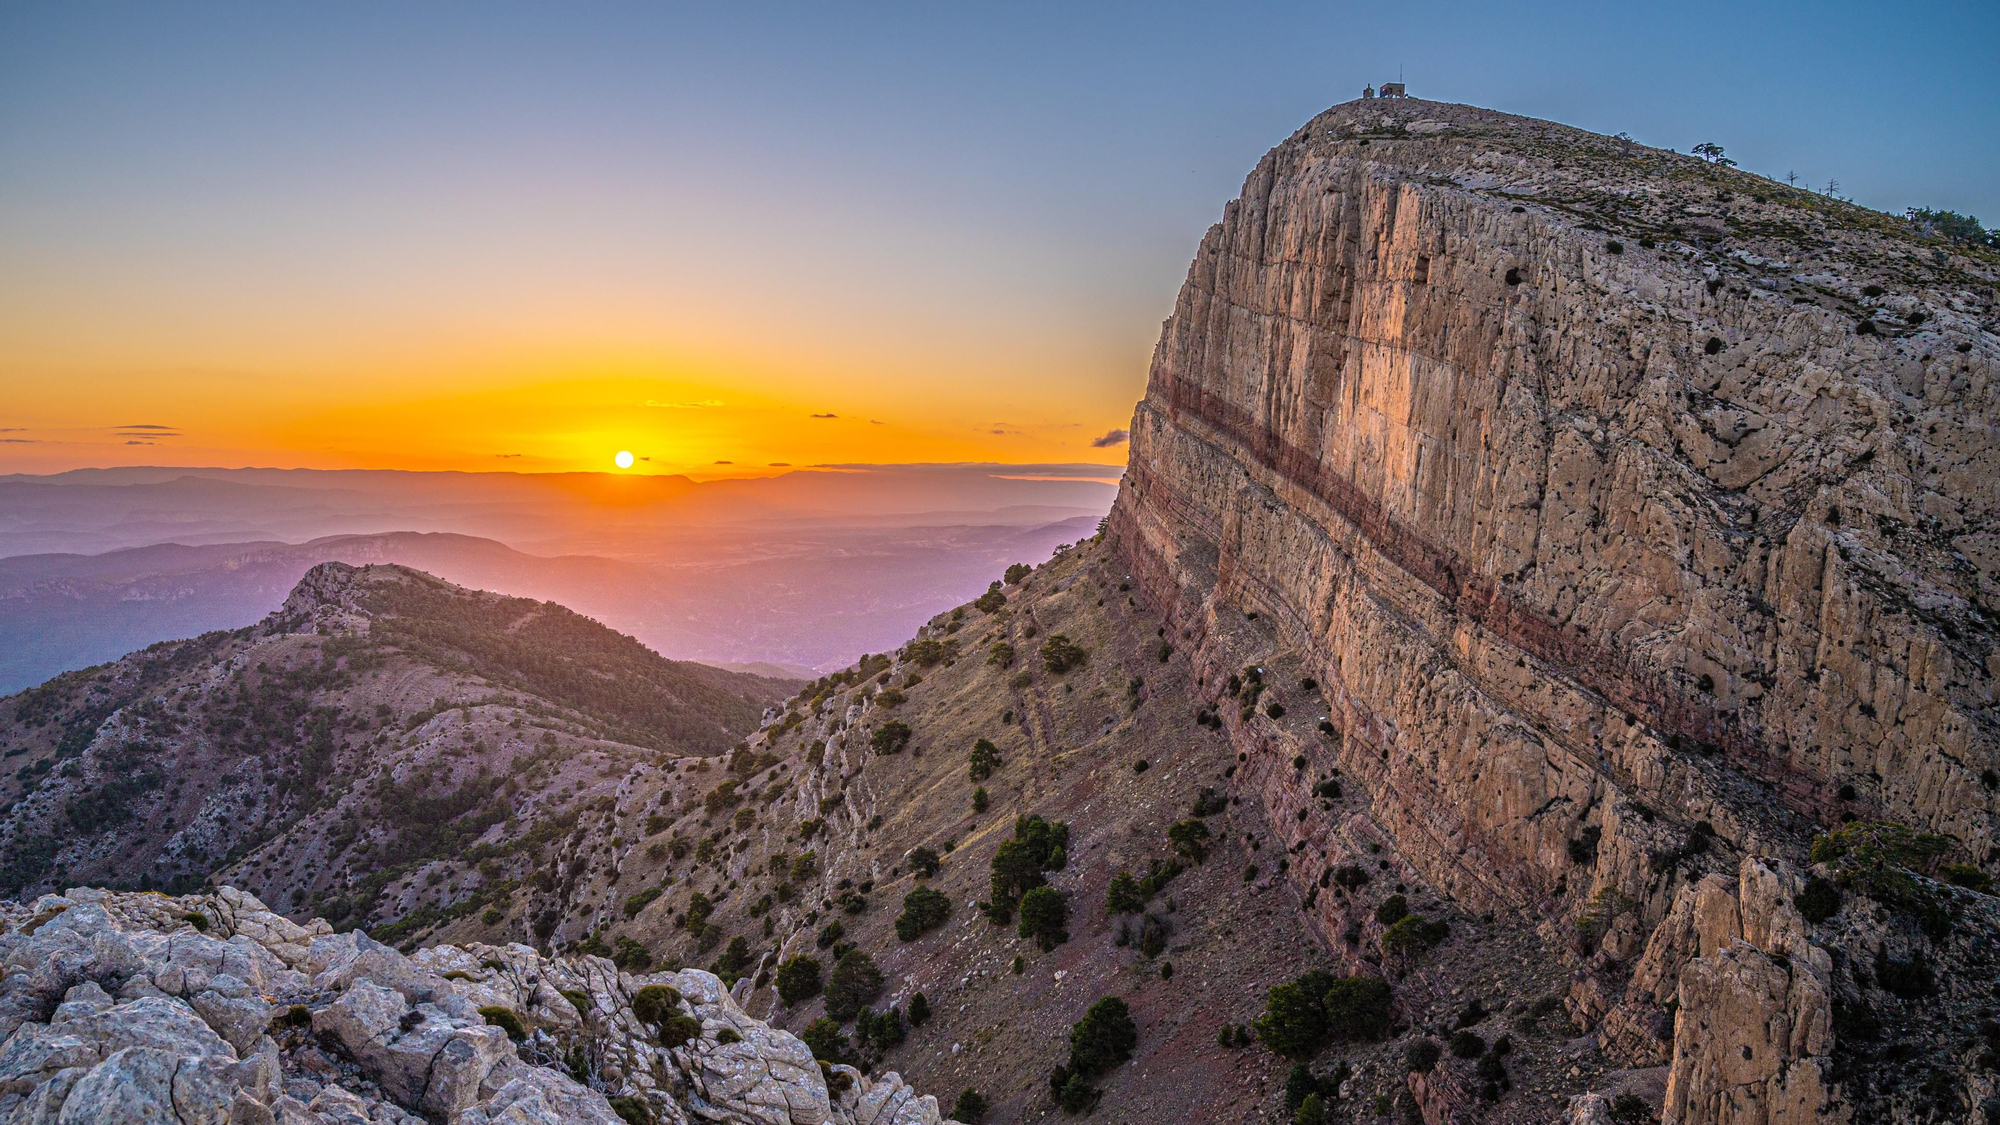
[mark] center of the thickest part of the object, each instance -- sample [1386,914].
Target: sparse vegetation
[853,985]
[1060,654]
[924,910]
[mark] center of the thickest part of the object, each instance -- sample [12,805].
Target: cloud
[19,441]
[1113,437]
[780,465]
[144,426]
[645,458]
[826,415]
[13,429]
[142,443]
[725,462]
[698,404]
[877,422]
[504,456]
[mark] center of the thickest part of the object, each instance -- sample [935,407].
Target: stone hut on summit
[1393,90]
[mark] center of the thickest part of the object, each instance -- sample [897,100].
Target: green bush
[1123,896]
[923,910]
[891,738]
[798,979]
[1038,846]
[853,985]
[1393,909]
[1043,916]
[979,799]
[1467,1044]
[1412,936]
[1819,900]
[678,1030]
[920,1010]
[1001,655]
[1357,1008]
[631,1110]
[1060,654]
[985,759]
[1421,1056]
[991,600]
[1190,839]
[1017,572]
[1970,877]
[924,862]
[1312,1111]
[506,1019]
[970,1107]
[1294,1021]
[728,1035]
[655,1002]
[825,1040]
[1631,1109]
[1102,1039]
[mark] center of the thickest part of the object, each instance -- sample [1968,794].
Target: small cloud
[13,429]
[645,458]
[1114,437]
[504,456]
[725,462]
[826,415]
[698,404]
[780,465]
[144,426]
[142,443]
[1001,432]
[877,422]
[19,441]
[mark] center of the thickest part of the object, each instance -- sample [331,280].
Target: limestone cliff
[1633,520]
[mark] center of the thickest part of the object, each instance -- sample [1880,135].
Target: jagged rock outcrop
[135,1007]
[1632,519]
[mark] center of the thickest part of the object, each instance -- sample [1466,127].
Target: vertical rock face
[1634,519]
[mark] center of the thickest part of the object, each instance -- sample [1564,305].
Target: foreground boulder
[121,1007]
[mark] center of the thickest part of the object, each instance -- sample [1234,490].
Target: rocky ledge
[210,1009]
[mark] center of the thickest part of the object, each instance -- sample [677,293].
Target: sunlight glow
[624,459]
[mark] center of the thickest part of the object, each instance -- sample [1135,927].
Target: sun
[624,459]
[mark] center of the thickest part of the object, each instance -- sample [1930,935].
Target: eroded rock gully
[1628,520]
[210,1009]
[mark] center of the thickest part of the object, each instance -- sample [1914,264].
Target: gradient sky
[484,236]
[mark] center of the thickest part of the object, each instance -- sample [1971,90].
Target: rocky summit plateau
[1540,667]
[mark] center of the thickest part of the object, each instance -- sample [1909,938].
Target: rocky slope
[1635,518]
[210,1009]
[386,749]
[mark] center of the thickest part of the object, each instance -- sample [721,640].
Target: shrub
[1312,1111]
[1412,935]
[1060,654]
[991,600]
[1102,1039]
[970,1107]
[920,1010]
[506,1019]
[196,919]
[728,1035]
[1017,572]
[1190,839]
[1123,896]
[890,698]
[1357,1008]
[1819,900]
[1909,980]
[631,1110]
[1001,655]
[1043,915]
[1871,856]
[631,956]
[1393,909]
[798,979]
[853,985]
[979,799]
[805,868]
[1294,1021]
[1467,1044]
[637,901]
[825,1040]
[1970,877]
[1037,846]
[1490,1068]
[678,1029]
[890,738]
[924,862]
[1422,1055]
[985,759]
[923,910]
[1631,1109]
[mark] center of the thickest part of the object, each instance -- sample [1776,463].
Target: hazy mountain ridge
[379,721]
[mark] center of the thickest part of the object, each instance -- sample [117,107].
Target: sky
[726,237]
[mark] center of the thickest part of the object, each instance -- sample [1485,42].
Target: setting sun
[624,459]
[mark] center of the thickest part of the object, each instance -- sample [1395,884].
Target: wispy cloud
[877,422]
[697,404]
[504,456]
[19,441]
[142,443]
[13,429]
[144,426]
[1114,437]
[725,462]
[826,415]
[779,465]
